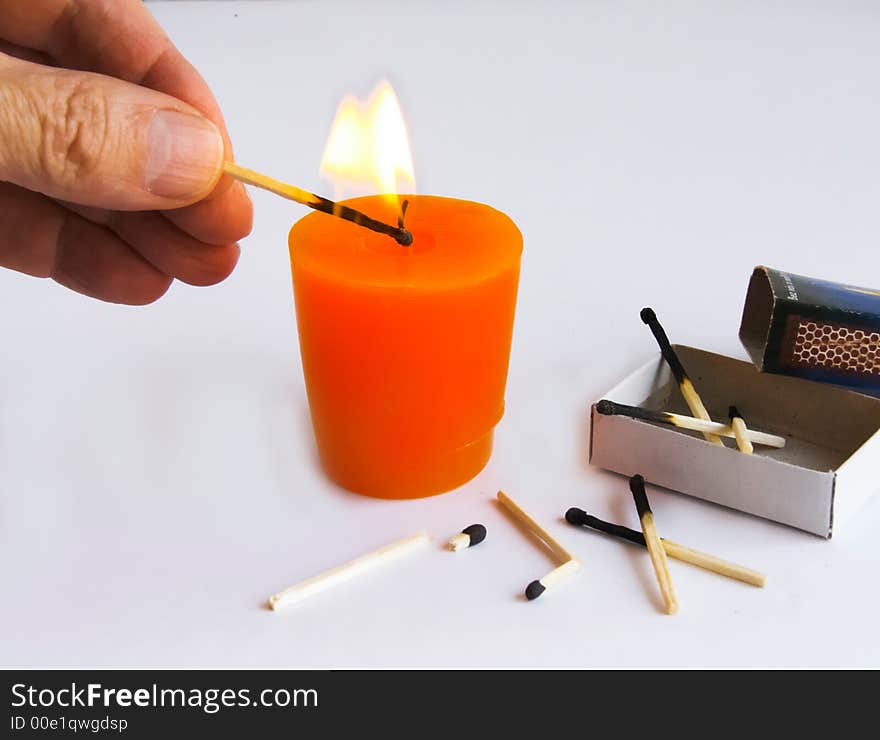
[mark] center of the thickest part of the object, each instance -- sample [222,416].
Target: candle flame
[368,147]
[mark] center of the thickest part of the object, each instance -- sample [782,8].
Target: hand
[111,147]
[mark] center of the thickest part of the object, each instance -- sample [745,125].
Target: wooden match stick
[694,402]
[567,563]
[738,424]
[468,537]
[304,197]
[652,542]
[518,513]
[703,560]
[349,570]
[612,408]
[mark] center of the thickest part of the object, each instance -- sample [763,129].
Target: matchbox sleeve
[815,329]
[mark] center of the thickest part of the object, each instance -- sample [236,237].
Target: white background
[158,477]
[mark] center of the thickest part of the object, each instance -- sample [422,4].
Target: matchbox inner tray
[825,472]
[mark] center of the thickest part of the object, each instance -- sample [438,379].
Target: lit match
[468,537]
[581,518]
[304,197]
[567,563]
[738,424]
[652,542]
[694,402]
[612,408]
[349,570]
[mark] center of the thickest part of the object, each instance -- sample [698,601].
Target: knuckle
[74,130]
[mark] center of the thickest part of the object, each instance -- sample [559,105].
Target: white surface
[157,473]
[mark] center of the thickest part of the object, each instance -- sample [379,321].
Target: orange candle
[405,349]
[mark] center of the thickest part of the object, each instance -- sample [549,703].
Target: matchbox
[825,472]
[813,329]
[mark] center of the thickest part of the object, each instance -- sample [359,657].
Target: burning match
[652,542]
[298,195]
[468,537]
[612,408]
[568,564]
[581,518]
[694,402]
[346,572]
[738,424]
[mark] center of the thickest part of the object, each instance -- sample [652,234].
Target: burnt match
[694,402]
[652,542]
[325,205]
[468,537]
[581,518]
[738,424]
[612,408]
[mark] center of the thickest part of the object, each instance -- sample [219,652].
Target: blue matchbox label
[816,329]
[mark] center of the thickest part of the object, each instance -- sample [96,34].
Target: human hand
[111,148]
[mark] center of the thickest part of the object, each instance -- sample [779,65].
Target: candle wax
[405,349]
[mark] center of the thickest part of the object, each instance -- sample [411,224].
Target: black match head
[606,407]
[576,516]
[404,238]
[733,412]
[534,590]
[637,487]
[476,532]
[648,315]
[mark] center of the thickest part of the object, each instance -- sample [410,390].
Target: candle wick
[402,216]
[405,237]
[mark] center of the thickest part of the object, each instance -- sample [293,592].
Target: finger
[22,52]
[28,23]
[217,220]
[117,37]
[96,140]
[227,214]
[166,247]
[122,39]
[42,238]
[174,252]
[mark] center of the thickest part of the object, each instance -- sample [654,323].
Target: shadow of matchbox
[820,478]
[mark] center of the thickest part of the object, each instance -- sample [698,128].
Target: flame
[368,147]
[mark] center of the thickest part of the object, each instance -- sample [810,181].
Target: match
[349,570]
[738,424]
[581,518]
[568,564]
[652,541]
[536,588]
[304,197]
[468,537]
[694,402]
[612,408]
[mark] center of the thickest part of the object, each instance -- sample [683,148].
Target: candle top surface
[455,242]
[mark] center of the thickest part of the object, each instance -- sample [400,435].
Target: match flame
[368,147]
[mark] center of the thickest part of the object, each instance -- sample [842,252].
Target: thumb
[100,141]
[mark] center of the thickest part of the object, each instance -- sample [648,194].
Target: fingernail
[184,155]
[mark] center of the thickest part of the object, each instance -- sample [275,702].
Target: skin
[75,77]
